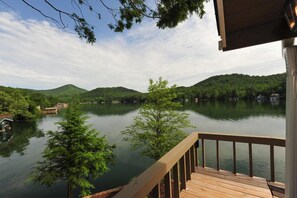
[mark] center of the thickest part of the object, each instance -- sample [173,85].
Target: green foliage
[20,107]
[22,103]
[74,153]
[64,93]
[167,13]
[236,85]
[107,95]
[5,101]
[157,127]
[22,133]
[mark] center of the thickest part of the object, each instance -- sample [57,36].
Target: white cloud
[35,54]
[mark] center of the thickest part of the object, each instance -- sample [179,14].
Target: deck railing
[250,140]
[168,176]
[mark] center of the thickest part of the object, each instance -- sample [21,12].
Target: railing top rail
[244,139]
[144,183]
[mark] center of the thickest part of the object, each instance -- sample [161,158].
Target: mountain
[66,90]
[236,86]
[111,93]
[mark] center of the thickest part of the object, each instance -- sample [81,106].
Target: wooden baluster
[176,180]
[192,158]
[167,182]
[218,155]
[203,153]
[234,158]
[250,160]
[196,153]
[272,176]
[156,192]
[188,165]
[183,172]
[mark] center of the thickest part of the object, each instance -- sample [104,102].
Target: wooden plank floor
[210,183]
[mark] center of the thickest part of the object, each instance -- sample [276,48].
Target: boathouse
[50,110]
[5,124]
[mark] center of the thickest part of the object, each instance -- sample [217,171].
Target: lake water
[18,156]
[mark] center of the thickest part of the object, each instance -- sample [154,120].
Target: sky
[36,54]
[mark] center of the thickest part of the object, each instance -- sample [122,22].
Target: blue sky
[36,54]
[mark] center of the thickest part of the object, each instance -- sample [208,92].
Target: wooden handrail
[272,141]
[244,139]
[181,161]
[151,177]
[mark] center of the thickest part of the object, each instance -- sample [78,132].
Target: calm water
[19,155]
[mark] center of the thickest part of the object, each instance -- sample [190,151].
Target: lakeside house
[5,122]
[5,127]
[179,173]
[55,109]
[274,97]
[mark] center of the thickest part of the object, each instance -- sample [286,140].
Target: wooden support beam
[183,172]
[203,153]
[192,158]
[251,174]
[176,181]
[168,187]
[218,154]
[188,165]
[220,6]
[272,177]
[156,192]
[234,158]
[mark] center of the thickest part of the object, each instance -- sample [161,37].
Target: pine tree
[74,154]
[158,126]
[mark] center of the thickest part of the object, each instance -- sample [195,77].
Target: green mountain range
[236,86]
[109,94]
[220,87]
[66,90]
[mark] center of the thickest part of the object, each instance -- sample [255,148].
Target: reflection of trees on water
[236,110]
[21,132]
[110,109]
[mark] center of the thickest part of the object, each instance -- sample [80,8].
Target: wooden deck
[177,173]
[207,182]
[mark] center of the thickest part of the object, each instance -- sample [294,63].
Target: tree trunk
[69,190]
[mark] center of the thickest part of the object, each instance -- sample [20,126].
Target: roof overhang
[246,23]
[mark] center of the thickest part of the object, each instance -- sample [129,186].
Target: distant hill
[110,93]
[241,80]
[66,90]
[236,85]
[221,87]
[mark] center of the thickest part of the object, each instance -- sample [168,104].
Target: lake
[18,156]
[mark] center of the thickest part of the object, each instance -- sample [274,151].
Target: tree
[169,13]
[5,101]
[74,154]
[19,106]
[157,127]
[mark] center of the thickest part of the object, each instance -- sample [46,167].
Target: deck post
[168,187]
[183,172]
[272,175]
[291,124]
[234,158]
[203,153]
[251,160]
[156,192]
[218,154]
[188,165]
[176,180]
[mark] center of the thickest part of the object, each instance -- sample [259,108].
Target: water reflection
[110,109]
[19,138]
[20,154]
[236,110]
